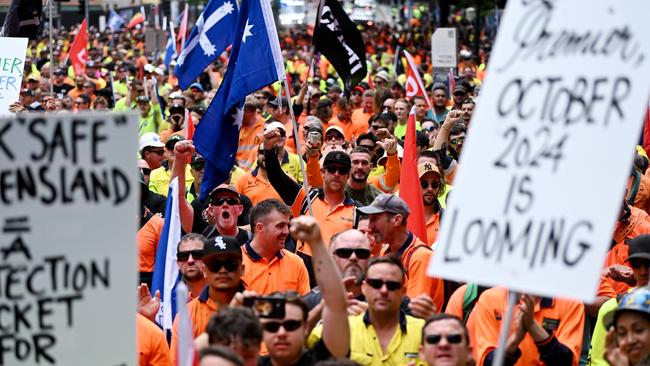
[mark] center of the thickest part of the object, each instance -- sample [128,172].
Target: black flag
[22,19]
[337,38]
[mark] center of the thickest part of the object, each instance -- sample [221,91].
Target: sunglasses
[215,265]
[433,184]
[430,129]
[347,253]
[198,166]
[145,171]
[453,338]
[639,262]
[221,201]
[288,325]
[341,169]
[158,152]
[378,284]
[387,107]
[185,255]
[457,141]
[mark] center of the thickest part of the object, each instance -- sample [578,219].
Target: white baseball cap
[274,125]
[150,139]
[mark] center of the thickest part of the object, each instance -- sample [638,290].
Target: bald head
[350,236]
[351,251]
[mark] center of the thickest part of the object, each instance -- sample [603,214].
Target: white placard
[12,66]
[544,166]
[68,195]
[443,48]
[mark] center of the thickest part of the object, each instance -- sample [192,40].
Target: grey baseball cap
[386,203]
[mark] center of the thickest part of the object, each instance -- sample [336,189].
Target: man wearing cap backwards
[628,340]
[223,269]
[638,260]
[332,207]
[176,121]
[431,182]
[388,215]
[224,206]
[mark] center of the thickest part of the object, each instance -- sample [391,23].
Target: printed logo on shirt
[550,324]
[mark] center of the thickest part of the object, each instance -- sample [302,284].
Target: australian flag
[212,33]
[255,61]
[170,49]
[115,21]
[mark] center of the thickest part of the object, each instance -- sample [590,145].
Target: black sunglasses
[639,262]
[430,129]
[453,338]
[347,253]
[215,265]
[185,255]
[288,325]
[425,184]
[221,201]
[341,169]
[457,141]
[378,284]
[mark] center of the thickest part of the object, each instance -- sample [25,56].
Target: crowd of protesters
[349,273]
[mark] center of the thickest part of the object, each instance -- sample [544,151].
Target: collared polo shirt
[250,138]
[256,188]
[331,221]
[284,272]
[562,318]
[415,258]
[200,310]
[366,349]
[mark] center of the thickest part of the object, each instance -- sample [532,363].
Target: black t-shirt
[242,236]
[309,357]
[62,90]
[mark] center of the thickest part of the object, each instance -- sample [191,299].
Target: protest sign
[68,193]
[443,48]
[12,65]
[544,166]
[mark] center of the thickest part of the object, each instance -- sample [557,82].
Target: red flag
[188,130]
[78,50]
[414,85]
[410,190]
[138,18]
[182,28]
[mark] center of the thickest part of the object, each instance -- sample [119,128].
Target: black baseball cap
[221,245]
[639,247]
[337,157]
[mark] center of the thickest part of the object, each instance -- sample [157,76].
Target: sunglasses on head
[288,325]
[639,262]
[341,169]
[425,184]
[221,201]
[215,265]
[347,253]
[185,255]
[453,338]
[378,284]
[457,141]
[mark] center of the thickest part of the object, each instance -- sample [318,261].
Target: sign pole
[50,5]
[499,357]
[297,138]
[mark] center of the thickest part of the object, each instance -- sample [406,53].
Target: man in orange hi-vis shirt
[546,331]
[388,214]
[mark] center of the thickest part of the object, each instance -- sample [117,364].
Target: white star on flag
[238,116]
[247,31]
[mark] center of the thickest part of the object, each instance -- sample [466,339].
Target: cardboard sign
[68,193]
[12,66]
[550,147]
[443,48]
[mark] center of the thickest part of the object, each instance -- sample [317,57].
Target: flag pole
[49,7]
[499,357]
[298,147]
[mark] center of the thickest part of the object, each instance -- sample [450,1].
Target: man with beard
[388,215]
[467,108]
[431,182]
[358,187]
[188,257]
[331,206]
[439,102]
[270,267]
[223,270]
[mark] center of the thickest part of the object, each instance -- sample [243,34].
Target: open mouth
[225,215]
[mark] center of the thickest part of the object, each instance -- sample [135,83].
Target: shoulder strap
[313,194]
[469,300]
[634,188]
[410,254]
